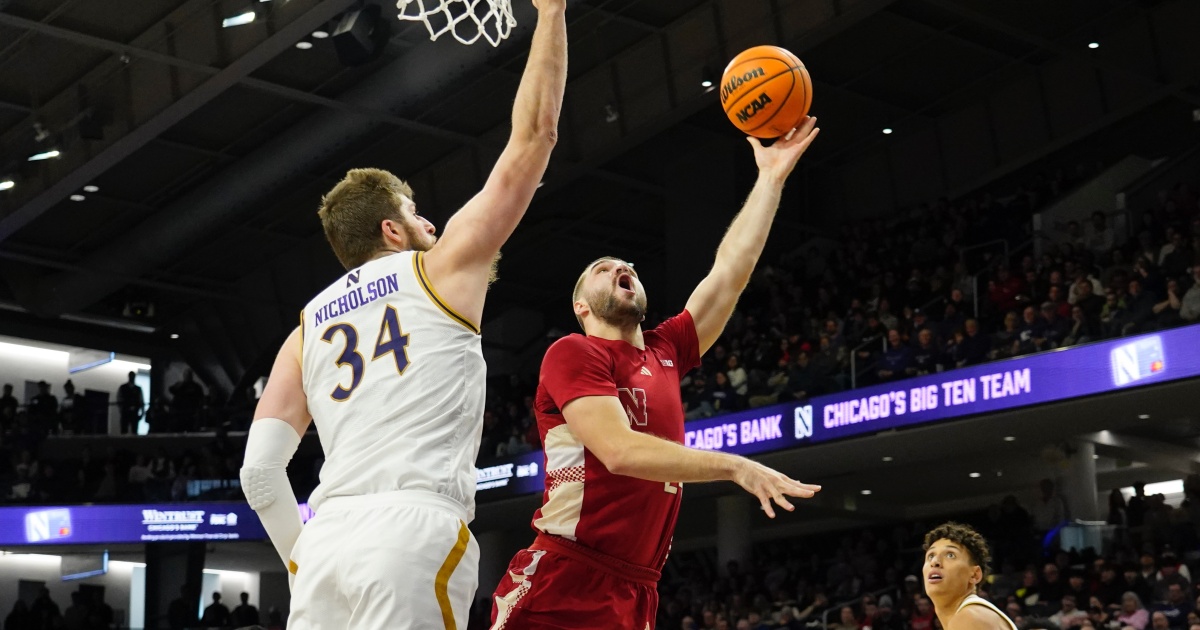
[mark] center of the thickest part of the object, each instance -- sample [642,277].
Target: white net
[466,20]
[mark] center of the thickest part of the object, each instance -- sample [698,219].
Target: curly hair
[968,538]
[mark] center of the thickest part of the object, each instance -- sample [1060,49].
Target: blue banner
[114,524]
[1021,382]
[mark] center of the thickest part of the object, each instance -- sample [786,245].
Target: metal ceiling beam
[423,70]
[260,85]
[264,52]
[1162,454]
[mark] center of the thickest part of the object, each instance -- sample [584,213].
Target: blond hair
[352,211]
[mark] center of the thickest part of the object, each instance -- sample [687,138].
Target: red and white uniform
[602,538]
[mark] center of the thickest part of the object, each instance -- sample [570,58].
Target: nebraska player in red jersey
[610,415]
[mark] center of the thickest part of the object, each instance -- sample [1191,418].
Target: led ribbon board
[1021,382]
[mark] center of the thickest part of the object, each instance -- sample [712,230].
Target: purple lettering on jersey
[357,298]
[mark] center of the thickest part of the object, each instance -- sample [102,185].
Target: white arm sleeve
[269,447]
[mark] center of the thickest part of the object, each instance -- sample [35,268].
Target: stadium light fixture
[1094,45]
[91,188]
[77,197]
[866,493]
[45,155]
[974,475]
[7,184]
[1010,438]
[238,20]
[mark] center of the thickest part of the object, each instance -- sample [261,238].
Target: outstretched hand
[780,158]
[771,485]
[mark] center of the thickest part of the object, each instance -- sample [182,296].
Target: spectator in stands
[1189,308]
[1069,615]
[43,410]
[1133,614]
[897,360]
[216,615]
[1055,328]
[130,404]
[8,405]
[187,398]
[19,618]
[1031,335]
[926,357]
[139,476]
[1087,298]
[1110,587]
[1100,238]
[1113,314]
[1005,289]
[245,614]
[973,348]
[1081,329]
[72,410]
[1140,309]
[1176,261]
[1077,588]
[1167,312]
[1169,576]
[738,379]
[1159,621]
[1049,511]
[846,620]
[1176,607]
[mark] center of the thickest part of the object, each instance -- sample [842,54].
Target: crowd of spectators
[897,298]
[1145,579]
[893,298]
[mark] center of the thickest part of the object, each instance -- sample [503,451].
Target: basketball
[766,91]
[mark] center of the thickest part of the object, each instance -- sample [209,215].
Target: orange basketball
[766,91]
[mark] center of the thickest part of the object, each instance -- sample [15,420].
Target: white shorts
[396,560]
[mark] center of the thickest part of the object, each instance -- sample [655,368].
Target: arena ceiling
[211,146]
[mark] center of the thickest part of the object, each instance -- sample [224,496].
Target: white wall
[24,361]
[17,567]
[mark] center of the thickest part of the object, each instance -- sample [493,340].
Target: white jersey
[395,381]
[975,600]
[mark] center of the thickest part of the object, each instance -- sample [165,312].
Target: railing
[854,357]
[962,253]
[854,602]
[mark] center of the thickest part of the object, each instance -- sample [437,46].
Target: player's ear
[581,309]
[392,233]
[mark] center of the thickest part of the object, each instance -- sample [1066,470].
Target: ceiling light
[974,475]
[53,153]
[6,184]
[1094,45]
[887,131]
[91,188]
[887,458]
[866,492]
[706,83]
[77,197]
[238,20]
[1010,438]
[304,44]
[174,335]
[320,34]
[1144,416]
[1095,456]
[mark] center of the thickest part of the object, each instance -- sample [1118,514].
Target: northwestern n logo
[352,277]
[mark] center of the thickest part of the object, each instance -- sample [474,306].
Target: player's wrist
[772,177]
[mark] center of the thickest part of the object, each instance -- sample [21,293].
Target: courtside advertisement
[1048,377]
[110,524]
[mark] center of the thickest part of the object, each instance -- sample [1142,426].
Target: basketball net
[466,20]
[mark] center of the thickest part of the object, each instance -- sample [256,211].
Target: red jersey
[626,518]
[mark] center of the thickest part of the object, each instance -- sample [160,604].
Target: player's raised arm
[461,261]
[712,302]
[600,423]
[280,420]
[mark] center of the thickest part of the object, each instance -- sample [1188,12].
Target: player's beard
[423,241]
[619,313]
[418,240]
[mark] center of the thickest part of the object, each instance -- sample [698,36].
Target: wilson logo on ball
[754,107]
[736,82]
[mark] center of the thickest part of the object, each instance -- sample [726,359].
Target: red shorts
[559,584]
